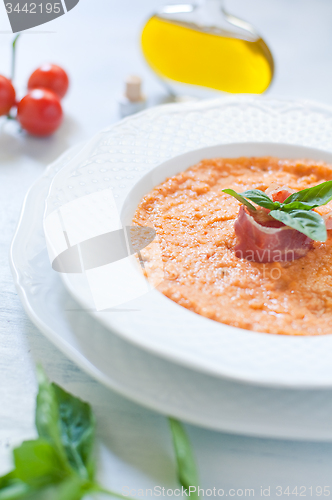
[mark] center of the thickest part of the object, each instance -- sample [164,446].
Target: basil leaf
[19,491]
[7,480]
[67,423]
[316,196]
[186,466]
[12,488]
[239,198]
[296,205]
[37,463]
[261,199]
[307,222]
[38,471]
[77,426]
[72,488]
[47,415]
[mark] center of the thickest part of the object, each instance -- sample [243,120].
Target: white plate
[120,156]
[165,387]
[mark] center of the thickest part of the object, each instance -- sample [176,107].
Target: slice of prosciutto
[260,238]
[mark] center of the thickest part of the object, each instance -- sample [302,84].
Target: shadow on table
[15,143]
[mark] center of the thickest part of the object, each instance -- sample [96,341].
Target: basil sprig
[186,465]
[60,464]
[296,211]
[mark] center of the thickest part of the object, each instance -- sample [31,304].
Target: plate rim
[81,360]
[210,104]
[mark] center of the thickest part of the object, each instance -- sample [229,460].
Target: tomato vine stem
[14,56]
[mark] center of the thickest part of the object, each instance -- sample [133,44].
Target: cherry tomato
[50,76]
[7,95]
[40,112]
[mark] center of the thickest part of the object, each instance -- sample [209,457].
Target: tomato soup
[194,221]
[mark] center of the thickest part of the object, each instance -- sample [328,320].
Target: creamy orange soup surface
[194,221]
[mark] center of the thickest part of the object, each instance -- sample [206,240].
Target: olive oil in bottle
[208,56]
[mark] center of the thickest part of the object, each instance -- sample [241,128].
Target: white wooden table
[97,43]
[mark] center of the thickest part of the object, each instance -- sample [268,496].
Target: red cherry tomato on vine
[40,112]
[51,77]
[7,95]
